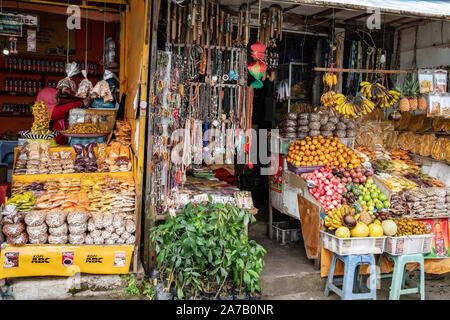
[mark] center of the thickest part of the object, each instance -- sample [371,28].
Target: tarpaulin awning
[431,8]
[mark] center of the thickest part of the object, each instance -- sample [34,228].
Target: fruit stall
[369,171]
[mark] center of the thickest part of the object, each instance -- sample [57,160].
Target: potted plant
[204,250]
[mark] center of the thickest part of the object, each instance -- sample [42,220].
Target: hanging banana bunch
[353,107]
[329,79]
[379,95]
[328,99]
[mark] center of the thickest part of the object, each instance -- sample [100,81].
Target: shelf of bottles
[48,65]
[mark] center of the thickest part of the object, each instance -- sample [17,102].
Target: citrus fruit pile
[313,151]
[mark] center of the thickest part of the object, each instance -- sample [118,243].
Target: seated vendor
[59,113]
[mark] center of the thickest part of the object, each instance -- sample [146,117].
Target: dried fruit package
[440,80]
[426,81]
[67,85]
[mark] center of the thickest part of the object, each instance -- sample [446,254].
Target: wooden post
[142,122]
[149,212]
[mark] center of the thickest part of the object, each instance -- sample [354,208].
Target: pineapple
[422,104]
[411,91]
[404,102]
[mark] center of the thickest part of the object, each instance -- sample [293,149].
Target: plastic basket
[348,142]
[301,170]
[285,231]
[409,244]
[346,246]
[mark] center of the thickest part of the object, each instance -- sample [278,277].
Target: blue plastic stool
[352,280]
[399,276]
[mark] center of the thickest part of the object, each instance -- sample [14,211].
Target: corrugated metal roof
[417,7]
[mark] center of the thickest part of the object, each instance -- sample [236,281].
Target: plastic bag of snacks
[85,87]
[426,81]
[67,85]
[440,81]
[102,90]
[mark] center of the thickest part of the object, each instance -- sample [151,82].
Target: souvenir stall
[73,202]
[201,104]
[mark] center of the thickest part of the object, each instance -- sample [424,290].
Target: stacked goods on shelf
[123,133]
[371,133]
[34,158]
[13,226]
[62,213]
[421,203]
[301,125]
[288,125]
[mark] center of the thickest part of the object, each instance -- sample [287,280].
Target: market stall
[74,207]
[395,123]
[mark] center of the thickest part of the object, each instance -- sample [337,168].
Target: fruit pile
[357,175]
[339,217]
[323,151]
[328,190]
[407,227]
[347,224]
[370,197]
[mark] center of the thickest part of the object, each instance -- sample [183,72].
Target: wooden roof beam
[359,16]
[326,13]
[400,20]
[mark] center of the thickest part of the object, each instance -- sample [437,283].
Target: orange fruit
[297,163]
[303,142]
[314,163]
[305,158]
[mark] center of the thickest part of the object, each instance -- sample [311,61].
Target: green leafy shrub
[205,249]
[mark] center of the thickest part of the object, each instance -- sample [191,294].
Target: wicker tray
[84,135]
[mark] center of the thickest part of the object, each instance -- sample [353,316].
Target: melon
[360,230]
[389,227]
[375,230]
[342,232]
